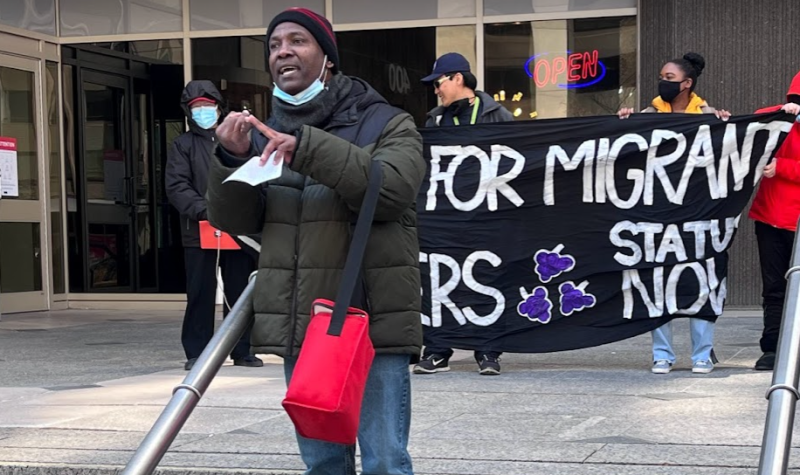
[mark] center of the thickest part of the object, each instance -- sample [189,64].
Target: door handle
[130,191]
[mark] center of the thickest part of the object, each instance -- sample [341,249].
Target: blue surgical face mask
[309,93]
[205,116]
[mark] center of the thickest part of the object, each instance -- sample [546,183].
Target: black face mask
[669,90]
[794,98]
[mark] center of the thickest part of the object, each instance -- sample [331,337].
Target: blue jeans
[702,332]
[383,428]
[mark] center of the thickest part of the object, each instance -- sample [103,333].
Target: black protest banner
[561,234]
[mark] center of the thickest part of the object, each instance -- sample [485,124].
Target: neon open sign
[566,70]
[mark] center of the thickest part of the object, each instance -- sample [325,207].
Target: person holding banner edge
[462,104]
[775,210]
[328,129]
[677,82]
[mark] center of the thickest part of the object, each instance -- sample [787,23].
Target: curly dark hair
[692,65]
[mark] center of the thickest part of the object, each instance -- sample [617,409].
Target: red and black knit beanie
[316,24]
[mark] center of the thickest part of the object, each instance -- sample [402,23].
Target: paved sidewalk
[79,390]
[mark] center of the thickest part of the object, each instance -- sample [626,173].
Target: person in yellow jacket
[677,81]
[676,85]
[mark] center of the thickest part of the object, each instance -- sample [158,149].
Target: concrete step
[27,469]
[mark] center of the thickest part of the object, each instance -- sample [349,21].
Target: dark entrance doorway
[122,113]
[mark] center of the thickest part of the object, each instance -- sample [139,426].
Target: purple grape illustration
[535,306]
[575,298]
[550,264]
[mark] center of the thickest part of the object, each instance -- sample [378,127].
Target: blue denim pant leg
[662,343]
[702,339]
[383,428]
[386,418]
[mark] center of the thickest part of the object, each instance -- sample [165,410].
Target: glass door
[22,224]
[117,192]
[108,198]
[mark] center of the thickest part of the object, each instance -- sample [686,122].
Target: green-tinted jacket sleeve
[233,207]
[344,167]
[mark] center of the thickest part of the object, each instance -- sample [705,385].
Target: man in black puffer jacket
[186,181]
[329,128]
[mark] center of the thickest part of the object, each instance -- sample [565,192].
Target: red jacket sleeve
[787,169]
[787,158]
[769,109]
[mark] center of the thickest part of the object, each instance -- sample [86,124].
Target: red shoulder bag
[327,386]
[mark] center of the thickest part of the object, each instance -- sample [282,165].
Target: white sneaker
[703,367]
[661,367]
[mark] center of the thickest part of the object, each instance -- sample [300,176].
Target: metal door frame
[31,211]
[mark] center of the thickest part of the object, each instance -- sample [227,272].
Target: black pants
[775,252]
[448,352]
[201,291]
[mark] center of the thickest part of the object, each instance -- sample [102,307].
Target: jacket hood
[794,88]
[201,88]
[361,96]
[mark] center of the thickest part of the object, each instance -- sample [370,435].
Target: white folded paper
[254,174]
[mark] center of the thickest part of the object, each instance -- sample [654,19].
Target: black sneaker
[189,364]
[489,365]
[432,364]
[766,362]
[248,361]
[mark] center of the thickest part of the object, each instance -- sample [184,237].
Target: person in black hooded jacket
[186,183]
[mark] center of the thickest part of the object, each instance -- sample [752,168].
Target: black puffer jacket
[186,177]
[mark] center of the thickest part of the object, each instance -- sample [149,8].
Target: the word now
[710,289]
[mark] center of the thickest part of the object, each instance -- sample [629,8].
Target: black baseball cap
[446,64]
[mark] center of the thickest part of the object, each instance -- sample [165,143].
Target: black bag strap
[352,267]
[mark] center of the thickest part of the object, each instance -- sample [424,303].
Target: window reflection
[238,67]
[364,11]
[103,131]
[216,15]
[510,7]
[395,61]
[102,17]
[143,192]
[18,121]
[562,68]
[33,15]
[170,51]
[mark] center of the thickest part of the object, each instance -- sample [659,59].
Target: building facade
[89,91]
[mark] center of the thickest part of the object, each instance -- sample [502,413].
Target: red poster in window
[9,177]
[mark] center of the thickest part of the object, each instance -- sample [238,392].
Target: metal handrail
[783,393]
[187,394]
